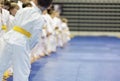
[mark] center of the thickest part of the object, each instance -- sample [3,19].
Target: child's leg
[5,57]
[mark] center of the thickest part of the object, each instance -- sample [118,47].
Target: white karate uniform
[38,48]
[58,24]
[12,18]
[44,40]
[51,44]
[15,47]
[20,4]
[4,21]
[65,33]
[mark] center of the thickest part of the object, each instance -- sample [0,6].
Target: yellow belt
[4,27]
[22,31]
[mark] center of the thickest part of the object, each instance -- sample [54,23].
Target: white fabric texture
[4,20]
[15,47]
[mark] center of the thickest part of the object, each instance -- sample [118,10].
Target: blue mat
[82,59]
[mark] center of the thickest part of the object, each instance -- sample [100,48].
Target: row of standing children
[55,32]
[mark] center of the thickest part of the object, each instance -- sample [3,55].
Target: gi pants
[16,55]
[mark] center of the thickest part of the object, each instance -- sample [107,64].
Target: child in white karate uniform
[51,40]
[58,24]
[4,20]
[17,43]
[65,31]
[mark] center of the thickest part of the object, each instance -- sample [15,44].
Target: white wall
[114,34]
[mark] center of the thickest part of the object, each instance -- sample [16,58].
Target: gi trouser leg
[5,56]
[20,58]
[21,63]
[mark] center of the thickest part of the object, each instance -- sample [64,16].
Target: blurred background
[91,17]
